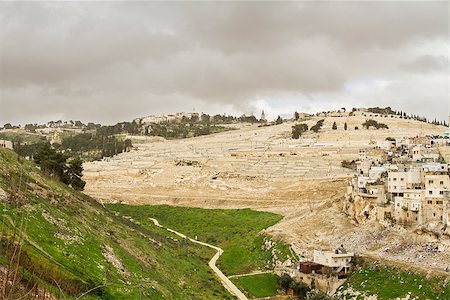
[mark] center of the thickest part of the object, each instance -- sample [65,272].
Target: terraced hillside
[263,168]
[57,243]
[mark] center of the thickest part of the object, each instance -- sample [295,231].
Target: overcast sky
[114,61]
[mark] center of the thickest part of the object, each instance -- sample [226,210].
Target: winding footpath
[226,282]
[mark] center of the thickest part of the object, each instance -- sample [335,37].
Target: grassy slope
[70,230]
[234,230]
[258,286]
[391,283]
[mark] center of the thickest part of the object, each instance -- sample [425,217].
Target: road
[226,282]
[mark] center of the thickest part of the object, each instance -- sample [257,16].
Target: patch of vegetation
[317,126]
[390,283]
[298,129]
[236,231]
[372,123]
[258,286]
[183,130]
[349,164]
[55,239]
[21,137]
[56,164]
[381,110]
[101,144]
[286,283]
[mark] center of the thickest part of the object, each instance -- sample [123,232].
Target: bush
[349,164]
[298,129]
[372,123]
[318,125]
[284,282]
[279,120]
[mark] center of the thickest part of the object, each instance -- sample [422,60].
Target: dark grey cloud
[110,61]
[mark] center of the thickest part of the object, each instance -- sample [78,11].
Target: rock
[4,197]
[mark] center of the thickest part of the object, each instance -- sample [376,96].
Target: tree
[334,126]
[372,123]
[50,161]
[298,129]
[279,120]
[296,116]
[31,127]
[127,144]
[299,288]
[75,173]
[345,126]
[284,282]
[8,126]
[318,295]
[318,125]
[205,118]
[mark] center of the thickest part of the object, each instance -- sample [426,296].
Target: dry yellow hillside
[264,169]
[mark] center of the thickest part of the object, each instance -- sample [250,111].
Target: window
[434,214]
[430,202]
[430,192]
[441,183]
[441,192]
[395,179]
[430,181]
[439,202]
[402,179]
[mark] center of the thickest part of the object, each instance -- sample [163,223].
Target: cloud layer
[115,61]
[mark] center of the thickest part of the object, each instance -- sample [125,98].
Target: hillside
[57,243]
[263,168]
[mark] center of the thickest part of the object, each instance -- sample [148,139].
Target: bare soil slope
[264,169]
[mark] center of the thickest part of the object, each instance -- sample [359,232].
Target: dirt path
[250,274]
[226,282]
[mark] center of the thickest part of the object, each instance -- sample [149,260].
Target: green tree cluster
[372,123]
[58,165]
[317,126]
[381,110]
[300,289]
[298,129]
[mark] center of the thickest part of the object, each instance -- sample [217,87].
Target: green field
[391,283]
[257,286]
[66,234]
[236,231]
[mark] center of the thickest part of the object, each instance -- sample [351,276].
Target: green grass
[26,137]
[391,283]
[71,229]
[257,286]
[236,231]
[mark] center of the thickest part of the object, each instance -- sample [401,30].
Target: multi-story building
[416,192]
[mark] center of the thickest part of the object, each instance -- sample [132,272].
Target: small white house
[333,259]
